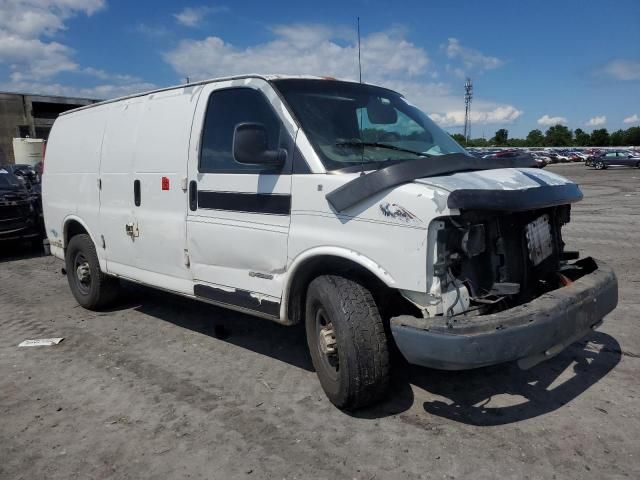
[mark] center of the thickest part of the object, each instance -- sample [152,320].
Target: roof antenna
[360,125]
[359,62]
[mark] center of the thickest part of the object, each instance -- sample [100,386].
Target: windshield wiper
[357,143]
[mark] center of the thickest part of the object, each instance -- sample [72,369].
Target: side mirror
[250,146]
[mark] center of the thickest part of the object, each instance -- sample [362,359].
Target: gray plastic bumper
[529,333]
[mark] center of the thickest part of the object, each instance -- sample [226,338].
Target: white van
[333,203]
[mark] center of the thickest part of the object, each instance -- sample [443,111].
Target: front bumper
[529,333]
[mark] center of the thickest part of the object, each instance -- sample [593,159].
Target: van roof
[268,78]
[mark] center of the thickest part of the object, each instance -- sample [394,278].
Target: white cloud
[471,59]
[388,59]
[103,75]
[23,23]
[632,119]
[33,18]
[596,121]
[34,59]
[302,49]
[504,114]
[193,16]
[622,69]
[547,121]
[151,31]
[100,91]
[444,106]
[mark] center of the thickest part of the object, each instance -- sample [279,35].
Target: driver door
[238,215]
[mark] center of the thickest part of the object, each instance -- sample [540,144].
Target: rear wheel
[91,288]
[347,341]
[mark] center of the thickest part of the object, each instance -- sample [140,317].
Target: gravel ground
[165,387]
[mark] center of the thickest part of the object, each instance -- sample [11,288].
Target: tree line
[558,136]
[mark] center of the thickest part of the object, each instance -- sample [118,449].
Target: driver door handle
[193,195]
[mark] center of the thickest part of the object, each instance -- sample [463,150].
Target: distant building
[25,115]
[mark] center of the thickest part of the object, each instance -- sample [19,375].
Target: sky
[533,63]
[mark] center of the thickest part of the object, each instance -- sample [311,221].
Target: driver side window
[226,109]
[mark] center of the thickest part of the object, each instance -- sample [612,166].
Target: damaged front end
[501,260]
[503,288]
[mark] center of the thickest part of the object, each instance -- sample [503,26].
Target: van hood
[499,179]
[472,183]
[506,189]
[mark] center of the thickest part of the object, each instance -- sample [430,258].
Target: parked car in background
[27,174]
[575,156]
[20,209]
[553,157]
[541,158]
[614,157]
[503,154]
[592,153]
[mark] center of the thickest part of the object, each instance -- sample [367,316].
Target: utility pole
[468,95]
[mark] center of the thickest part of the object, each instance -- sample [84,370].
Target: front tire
[599,165]
[91,288]
[347,342]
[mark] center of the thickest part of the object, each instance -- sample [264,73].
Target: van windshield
[353,125]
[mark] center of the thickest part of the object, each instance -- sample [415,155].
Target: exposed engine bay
[488,261]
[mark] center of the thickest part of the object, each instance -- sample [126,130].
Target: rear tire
[91,288]
[347,342]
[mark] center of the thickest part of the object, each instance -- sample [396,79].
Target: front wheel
[91,288]
[347,342]
[599,165]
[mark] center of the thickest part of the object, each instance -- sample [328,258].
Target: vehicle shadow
[13,250]
[487,396]
[505,394]
[287,344]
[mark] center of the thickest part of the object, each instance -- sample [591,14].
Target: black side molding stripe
[515,200]
[274,204]
[239,298]
[368,185]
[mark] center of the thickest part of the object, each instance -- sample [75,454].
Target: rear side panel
[70,183]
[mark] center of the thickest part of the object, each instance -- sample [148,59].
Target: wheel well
[389,300]
[71,229]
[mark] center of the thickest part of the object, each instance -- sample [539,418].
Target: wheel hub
[327,340]
[83,272]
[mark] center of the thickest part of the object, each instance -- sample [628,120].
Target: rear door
[116,184]
[239,215]
[158,188]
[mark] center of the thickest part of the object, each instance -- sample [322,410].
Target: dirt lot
[165,387]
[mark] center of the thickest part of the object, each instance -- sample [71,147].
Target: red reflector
[165,183]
